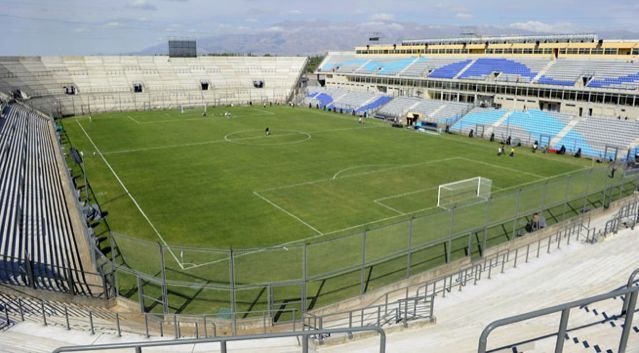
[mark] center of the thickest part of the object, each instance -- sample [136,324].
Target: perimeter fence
[298,277]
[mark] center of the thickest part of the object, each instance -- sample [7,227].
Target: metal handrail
[630,292]
[305,335]
[471,273]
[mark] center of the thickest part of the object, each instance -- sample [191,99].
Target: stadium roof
[506,39]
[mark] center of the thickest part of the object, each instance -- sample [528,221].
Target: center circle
[276,137]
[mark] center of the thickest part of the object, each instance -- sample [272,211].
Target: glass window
[596,51]
[610,51]
[584,51]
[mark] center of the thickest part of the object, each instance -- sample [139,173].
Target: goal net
[464,191]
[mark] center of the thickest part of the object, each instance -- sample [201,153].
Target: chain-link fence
[298,277]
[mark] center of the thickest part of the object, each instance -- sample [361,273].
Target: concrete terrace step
[407,66]
[543,71]
[571,124]
[497,123]
[461,72]
[578,271]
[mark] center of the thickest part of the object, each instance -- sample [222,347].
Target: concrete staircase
[441,107]
[543,71]
[407,66]
[579,271]
[555,140]
[465,68]
[497,123]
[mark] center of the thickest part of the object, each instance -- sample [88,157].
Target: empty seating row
[505,69]
[120,81]
[478,116]
[593,134]
[596,73]
[36,233]
[532,125]
[346,101]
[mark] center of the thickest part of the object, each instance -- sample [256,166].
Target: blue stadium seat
[450,70]
[485,66]
[377,103]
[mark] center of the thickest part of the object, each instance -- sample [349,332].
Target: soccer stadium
[473,193]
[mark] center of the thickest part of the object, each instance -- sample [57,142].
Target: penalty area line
[287,212]
[135,202]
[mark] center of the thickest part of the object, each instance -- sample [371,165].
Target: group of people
[502,150]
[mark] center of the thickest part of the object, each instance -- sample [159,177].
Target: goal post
[464,191]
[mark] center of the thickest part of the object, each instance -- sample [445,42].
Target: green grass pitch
[215,182]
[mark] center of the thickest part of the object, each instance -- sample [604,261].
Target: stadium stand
[610,73]
[532,125]
[36,232]
[422,66]
[84,84]
[504,69]
[346,101]
[450,70]
[592,135]
[478,116]
[623,75]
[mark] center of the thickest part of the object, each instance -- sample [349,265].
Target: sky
[75,27]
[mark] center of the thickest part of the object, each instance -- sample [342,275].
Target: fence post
[362,289]
[165,297]
[66,317]
[91,323]
[410,245]
[566,196]
[44,314]
[20,309]
[449,242]
[117,324]
[623,341]
[304,276]
[30,278]
[517,207]
[561,334]
[141,293]
[232,289]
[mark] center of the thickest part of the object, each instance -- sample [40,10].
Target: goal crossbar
[462,191]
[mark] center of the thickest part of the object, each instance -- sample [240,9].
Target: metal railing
[146,324]
[628,215]
[305,336]
[400,311]
[393,307]
[630,292]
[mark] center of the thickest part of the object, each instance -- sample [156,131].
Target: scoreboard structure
[180,48]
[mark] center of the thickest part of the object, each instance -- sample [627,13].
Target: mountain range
[318,37]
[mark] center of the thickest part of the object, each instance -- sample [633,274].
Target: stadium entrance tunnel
[270,137]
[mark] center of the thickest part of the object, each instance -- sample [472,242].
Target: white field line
[358,174]
[405,194]
[208,142]
[192,144]
[359,166]
[157,232]
[134,119]
[372,222]
[502,167]
[389,207]
[287,212]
